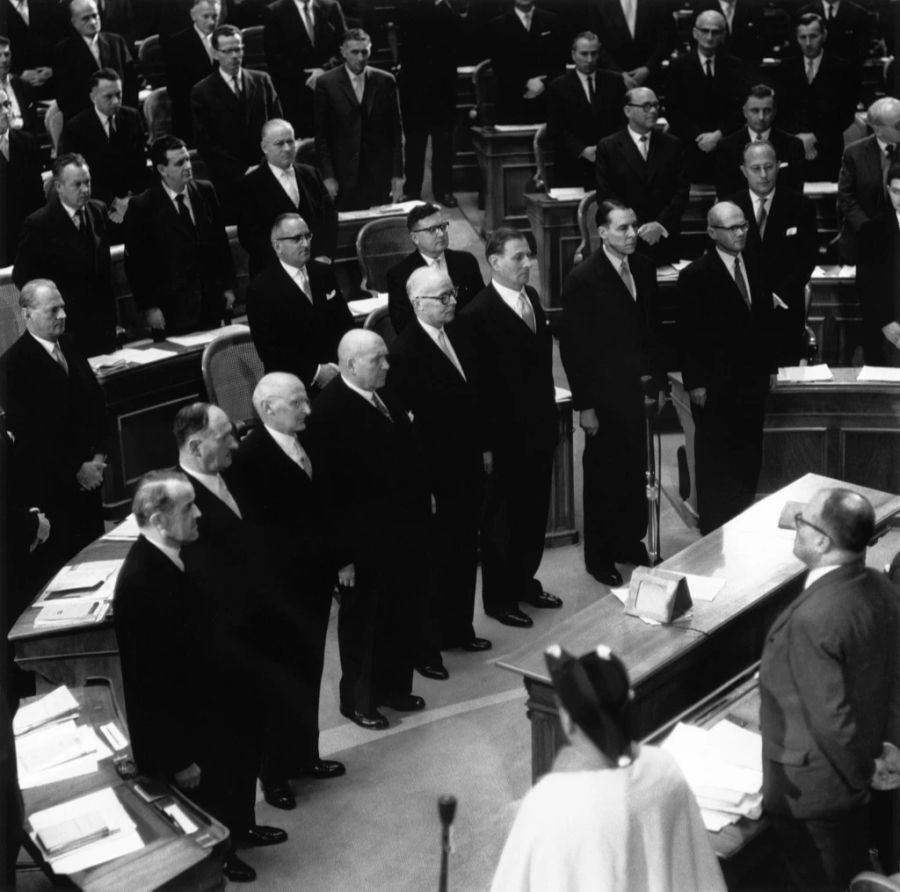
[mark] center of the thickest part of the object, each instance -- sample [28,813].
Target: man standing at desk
[606,342]
[830,697]
[728,366]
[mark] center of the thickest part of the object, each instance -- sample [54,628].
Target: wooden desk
[841,428]
[561,517]
[672,667]
[835,316]
[191,861]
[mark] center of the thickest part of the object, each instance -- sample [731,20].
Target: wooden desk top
[750,553]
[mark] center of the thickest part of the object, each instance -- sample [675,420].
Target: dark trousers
[615,489]
[75,522]
[728,450]
[376,631]
[822,854]
[517,499]
[417,129]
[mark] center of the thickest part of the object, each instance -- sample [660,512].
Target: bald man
[375,482]
[433,369]
[829,684]
[862,193]
[280,184]
[279,491]
[725,333]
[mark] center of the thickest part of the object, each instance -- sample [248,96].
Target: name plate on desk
[660,595]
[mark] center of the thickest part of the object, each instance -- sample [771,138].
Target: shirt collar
[170,551]
[615,261]
[703,60]
[509,295]
[636,137]
[728,259]
[767,198]
[817,573]
[228,78]
[292,271]
[213,482]
[206,39]
[69,210]
[172,195]
[764,135]
[91,41]
[430,330]
[431,261]
[103,118]
[278,172]
[49,346]
[286,441]
[365,394]
[355,77]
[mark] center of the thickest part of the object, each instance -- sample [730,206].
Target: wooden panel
[873,456]
[515,181]
[790,452]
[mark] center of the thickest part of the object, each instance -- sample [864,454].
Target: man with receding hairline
[830,697]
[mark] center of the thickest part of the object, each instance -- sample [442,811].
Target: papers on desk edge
[85,577]
[52,707]
[878,373]
[796,374]
[701,588]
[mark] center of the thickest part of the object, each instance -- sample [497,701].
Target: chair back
[158,113]
[587,209]
[231,370]
[380,245]
[485,92]
[379,321]
[869,881]
[150,58]
[12,325]
[53,124]
[540,146]
[254,50]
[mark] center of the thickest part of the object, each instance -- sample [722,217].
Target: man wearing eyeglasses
[430,234]
[728,365]
[829,685]
[646,170]
[295,308]
[177,257]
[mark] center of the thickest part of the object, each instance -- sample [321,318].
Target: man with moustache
[429,232]
[728,365]
[280,185]
[296,311]
[608,346]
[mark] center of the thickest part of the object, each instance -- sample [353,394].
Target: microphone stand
[653,506]
[447,812]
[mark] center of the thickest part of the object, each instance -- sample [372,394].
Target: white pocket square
[331,294]
[791,231]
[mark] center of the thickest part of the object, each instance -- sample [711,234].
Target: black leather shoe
[260,835]
[236,870]
[513,617]
[322,769]
[448,200]
[437,671]
[281,796]
[405,703]
[607,574]
[371,721]
[546,600]
[474,644]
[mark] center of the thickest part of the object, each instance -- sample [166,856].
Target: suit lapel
[633,157]
[732,288]
[436,357]
[347,87]
[835,577]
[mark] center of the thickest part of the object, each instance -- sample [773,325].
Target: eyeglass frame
[296,239]
[646,107]
[450,295]
[800,519]
[734,230]
[434,230]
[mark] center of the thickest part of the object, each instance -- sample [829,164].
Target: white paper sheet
[205,337]
[126,531]
[797,374]
[80,578]
[366,305]
[49,708]
[878,373]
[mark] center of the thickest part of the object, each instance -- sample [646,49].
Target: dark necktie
[379,404]
[111,122]
[183,211]
[238,89]
[709,68]
[58,356]
[739,281]
[761,218]
[590,83]
[84,229]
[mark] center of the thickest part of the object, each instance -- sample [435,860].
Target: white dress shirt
[450,353]
[232,82]
[187,200]
[287,179]
[290,446]
[728,260]
[216,485]
[93,44]
[170,551]
[49,346]
[818,573]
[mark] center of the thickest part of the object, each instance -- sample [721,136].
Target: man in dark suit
[608,347]
[376,488]
[527,50]
[636,44]
[188,57]
[583,106]
[745,24]
[54,408]
[849,29]
[111,138]
[878,280]
[272,480]
[241,593]
[727,364]
[22,112]
[429,233]
[77,57]
[21,186]
[705,90]
[67,241]
[295,308]
[514,352]
[359,137]
[34,32]
[166,633]
[282,185]
[229,108]
[818,99]
[431,36]
[783,242]
[434,372]
[829,685]
[759,113]
[177,257]
[862,192]
[646,170]
[302,41]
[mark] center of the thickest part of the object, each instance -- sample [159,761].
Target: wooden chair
[485,93]
[379,321]
[380,245]
[231,370]
[254,50]
[587,208]
[150,59]
[158,113]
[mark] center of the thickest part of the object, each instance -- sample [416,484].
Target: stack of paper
[58,704]
[73,611]
[58,751]
[797,373]
[723,767]
[201,338]
[80,578]
[87,831]
[126,531]
[567,194]
[878,373]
